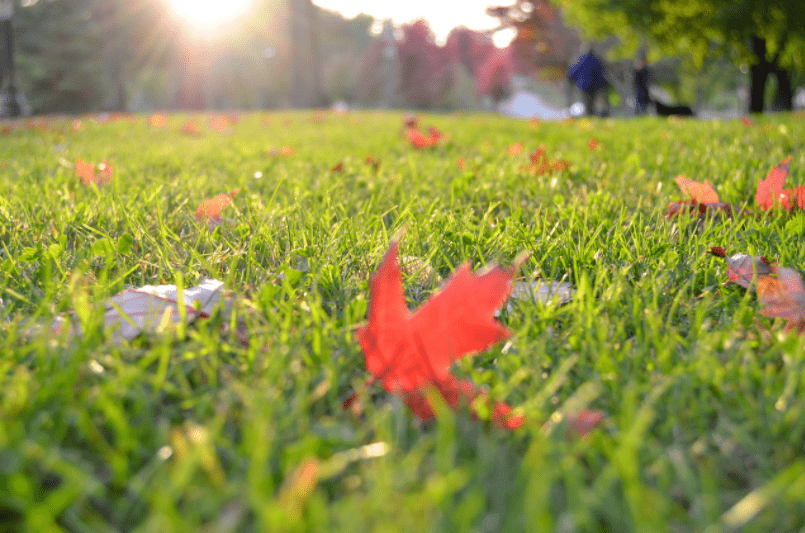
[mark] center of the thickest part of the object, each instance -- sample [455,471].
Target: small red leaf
[515,149]
[770,190]
[212,208]
[585,421]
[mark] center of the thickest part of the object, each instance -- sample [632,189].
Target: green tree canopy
[769,35]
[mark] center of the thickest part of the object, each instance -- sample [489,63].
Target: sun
[208,14]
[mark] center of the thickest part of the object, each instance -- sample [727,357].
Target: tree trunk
[784,99]
[759,73]
[305,55]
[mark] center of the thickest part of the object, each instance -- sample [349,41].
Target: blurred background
[524,58]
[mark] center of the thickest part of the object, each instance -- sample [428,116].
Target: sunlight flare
[208,14]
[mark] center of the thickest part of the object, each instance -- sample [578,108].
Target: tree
[305,54]
[767,34]
[80,55]
[543,42]
[425,67]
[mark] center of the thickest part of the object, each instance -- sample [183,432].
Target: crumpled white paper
[154,308]
[545,292]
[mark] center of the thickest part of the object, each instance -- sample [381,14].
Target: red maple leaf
[702,200]
[190,128]
[410,353]
[784,296]
[770,190]
[542,165]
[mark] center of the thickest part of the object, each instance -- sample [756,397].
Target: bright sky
[205,15]
[442,15]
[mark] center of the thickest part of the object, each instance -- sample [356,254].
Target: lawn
[197,428]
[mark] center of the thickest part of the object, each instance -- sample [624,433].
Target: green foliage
[196,432]
[80,55]
[691,27]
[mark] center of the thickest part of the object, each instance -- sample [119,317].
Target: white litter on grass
[153,308]
[543,292]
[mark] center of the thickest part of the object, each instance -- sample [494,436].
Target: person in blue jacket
[587,73]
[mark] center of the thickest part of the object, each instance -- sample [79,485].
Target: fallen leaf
[410,122]
[542,165]
[372,161]
[701,193]
[743,269]
[783,296]
[212,208]
[86,171]
[190,128]
[418,139]
[219,124]
[157,120]
[105,174]
[515,149]
[585,421]
[410,353]
[770,190]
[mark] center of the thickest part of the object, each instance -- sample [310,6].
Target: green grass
[192,431]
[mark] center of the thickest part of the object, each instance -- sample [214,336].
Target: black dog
[668,110]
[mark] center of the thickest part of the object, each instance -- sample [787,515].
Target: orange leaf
[190,128]
[770,191]
[784,297]
[219,124]
[516,149]
[418,139]
[85,170]
[157,120]
[702,193]
[212,208]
